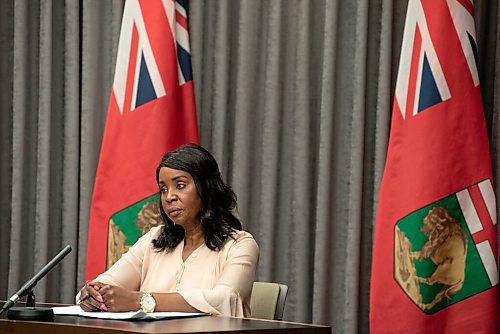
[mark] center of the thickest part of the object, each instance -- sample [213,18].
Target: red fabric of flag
[151,111]
[434,267]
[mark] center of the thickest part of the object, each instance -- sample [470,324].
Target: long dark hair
[217,198]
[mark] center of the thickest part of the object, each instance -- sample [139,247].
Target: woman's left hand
[119,299]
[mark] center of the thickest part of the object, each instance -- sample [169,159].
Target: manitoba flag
[435,261]
[151,111]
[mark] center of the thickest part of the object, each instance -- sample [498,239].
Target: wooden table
[206,324]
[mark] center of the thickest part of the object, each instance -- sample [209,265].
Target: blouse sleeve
[235,284]
[127,271]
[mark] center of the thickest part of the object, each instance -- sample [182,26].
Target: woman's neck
[194,236]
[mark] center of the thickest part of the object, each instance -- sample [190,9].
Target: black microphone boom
[30,284]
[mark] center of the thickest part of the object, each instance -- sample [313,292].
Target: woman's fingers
[90,304]
[91,298]
[94,292]
[118,299]
[93,304]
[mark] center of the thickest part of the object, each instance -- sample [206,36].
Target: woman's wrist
[136,300]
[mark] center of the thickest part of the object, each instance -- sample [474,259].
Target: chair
[268,300]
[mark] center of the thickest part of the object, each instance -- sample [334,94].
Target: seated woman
[198,261]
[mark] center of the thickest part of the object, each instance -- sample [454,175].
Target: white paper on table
[138,315]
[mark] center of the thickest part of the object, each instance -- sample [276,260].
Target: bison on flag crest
[435,261]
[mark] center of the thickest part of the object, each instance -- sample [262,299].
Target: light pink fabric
[210,281]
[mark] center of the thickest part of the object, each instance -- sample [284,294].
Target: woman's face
[179,197]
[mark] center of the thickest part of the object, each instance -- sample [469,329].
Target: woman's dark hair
[217,199]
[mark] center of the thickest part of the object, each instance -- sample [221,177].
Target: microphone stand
[31,312]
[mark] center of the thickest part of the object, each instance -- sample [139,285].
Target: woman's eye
[163,190]
[180,185]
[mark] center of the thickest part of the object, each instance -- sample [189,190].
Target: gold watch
[148,302]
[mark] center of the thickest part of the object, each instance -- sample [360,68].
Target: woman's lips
[174,212]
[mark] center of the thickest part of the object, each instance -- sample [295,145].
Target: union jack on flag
[141,75]
[421,80]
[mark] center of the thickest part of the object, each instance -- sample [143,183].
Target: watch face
[148,303]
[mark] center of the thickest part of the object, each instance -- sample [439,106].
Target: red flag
[434,267]
[151,111]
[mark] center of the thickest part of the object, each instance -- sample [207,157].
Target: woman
[198,261]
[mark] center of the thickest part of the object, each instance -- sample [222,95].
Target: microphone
[30,284]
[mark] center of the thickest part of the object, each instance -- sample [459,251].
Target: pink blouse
[216,282]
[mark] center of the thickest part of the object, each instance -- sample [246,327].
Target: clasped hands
[96,296]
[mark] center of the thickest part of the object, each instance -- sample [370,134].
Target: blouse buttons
[179,277]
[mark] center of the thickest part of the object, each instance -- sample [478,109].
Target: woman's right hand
[90,298]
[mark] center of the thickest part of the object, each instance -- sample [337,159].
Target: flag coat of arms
[151,111]
[435,261]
